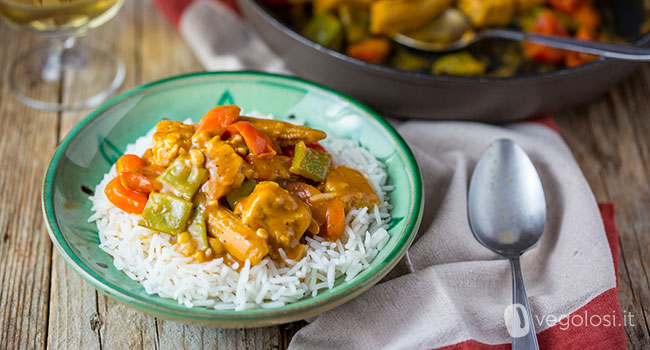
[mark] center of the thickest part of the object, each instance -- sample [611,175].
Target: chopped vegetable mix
[238,188]
[363,29]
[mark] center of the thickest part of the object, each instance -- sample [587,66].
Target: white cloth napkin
[229,43]
[450,288]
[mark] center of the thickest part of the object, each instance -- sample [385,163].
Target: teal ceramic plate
[90,149]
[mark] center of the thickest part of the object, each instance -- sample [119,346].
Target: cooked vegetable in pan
[238,187]
[362,29]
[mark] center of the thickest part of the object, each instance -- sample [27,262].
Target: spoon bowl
[507,214]
[450,31]
[506,205]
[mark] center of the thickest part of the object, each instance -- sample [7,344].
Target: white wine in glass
[62,22]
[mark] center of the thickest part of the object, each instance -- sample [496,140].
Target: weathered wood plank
[608,139]
[125,328]
[287,332]
[74,321]
[627,183]
[163,52]
[77,312]
[27,138]
[178,336]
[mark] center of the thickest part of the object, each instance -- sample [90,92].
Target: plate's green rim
[310,303]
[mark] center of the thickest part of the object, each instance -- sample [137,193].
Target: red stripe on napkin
[546,120]
[605,307]
[604,310]
[607,211]
[173,9]
[578,334]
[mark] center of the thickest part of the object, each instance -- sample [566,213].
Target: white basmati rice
[149,257]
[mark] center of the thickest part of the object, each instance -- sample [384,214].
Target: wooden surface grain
[44,304]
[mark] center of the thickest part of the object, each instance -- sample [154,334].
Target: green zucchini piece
[197,229]
[182,179]
[243,191]
[459,63]
[310,163]
[355,22]
[324,28]
[165,213]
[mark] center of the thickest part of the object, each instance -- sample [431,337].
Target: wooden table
[43,303]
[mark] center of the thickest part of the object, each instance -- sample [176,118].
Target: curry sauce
[239,188]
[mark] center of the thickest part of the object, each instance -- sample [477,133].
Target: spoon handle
[528,340]
[624,52]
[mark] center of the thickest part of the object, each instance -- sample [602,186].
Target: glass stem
[53,66]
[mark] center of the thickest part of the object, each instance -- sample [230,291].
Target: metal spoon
[425,39]
[507,214]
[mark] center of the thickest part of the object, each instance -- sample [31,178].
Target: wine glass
[45,66]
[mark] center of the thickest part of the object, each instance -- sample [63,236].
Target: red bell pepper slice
[259,143]
[130,201]
[218,119]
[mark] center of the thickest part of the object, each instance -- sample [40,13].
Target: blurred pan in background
[404,94]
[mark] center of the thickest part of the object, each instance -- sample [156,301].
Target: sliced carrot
[373,50]
[335,220]
[259,143]
[137,182]
[573,59]
[566,6]
[218,119]
[328,213]
[129,162]
[130,201]
[587,16]
[547,23]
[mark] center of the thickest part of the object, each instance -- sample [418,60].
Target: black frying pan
[417,95]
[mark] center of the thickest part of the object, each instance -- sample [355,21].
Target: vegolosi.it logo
[518,323]
[517,320]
